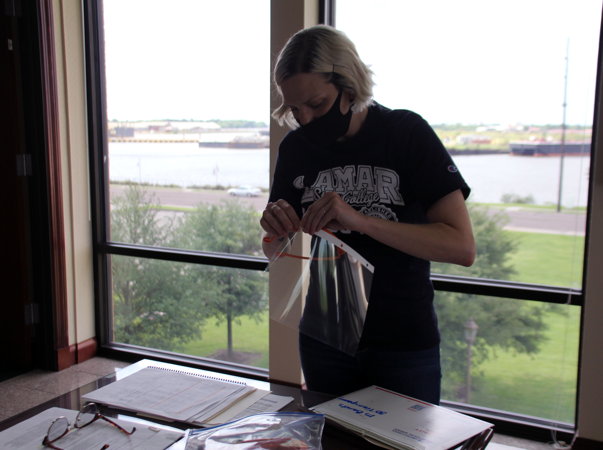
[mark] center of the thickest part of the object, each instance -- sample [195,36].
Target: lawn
[250,341]
[552,259]
[542,385]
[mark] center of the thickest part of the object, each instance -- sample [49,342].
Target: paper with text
[171,395]
[30,434]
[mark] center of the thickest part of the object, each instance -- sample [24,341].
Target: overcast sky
[187,59]
[466,61]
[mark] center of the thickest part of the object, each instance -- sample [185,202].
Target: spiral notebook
[172,395]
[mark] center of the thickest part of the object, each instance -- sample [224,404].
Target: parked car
[244,191]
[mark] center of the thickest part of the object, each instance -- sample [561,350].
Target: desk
[333,436]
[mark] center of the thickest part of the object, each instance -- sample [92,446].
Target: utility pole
[563,126]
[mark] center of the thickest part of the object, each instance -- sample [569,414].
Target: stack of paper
[178,395]
[389,418]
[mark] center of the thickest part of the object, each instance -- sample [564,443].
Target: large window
[509,87]
[180,108]
[185,171]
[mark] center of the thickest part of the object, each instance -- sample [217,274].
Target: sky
[187,59]
[464,61]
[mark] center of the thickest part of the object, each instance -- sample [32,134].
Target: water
[490,176]
[187,164]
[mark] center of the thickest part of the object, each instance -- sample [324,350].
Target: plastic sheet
[330,282]
[289,430]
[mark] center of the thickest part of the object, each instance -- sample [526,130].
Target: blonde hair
[325,50]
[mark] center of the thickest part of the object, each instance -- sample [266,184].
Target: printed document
[171,395]
[30,433]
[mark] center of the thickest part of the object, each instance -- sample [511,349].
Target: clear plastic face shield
[329,283]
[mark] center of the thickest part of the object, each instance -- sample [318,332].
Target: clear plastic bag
[279,430]
[331,284]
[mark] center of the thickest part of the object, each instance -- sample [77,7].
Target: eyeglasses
[87,415]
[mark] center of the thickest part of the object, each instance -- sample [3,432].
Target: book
[391,419]
[172,394]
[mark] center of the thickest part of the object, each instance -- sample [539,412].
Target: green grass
[551,259]
[248,337]
[542,385]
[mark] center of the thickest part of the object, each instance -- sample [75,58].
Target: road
[546,221]
[519,219]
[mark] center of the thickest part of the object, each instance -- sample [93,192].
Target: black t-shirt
[394,168]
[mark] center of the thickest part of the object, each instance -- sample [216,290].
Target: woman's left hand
[330,211]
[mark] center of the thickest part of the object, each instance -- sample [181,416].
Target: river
[490,176]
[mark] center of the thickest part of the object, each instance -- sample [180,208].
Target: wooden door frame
[39,231]
[62,357]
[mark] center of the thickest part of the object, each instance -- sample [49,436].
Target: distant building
[472,139]
[165,126]
[122,132]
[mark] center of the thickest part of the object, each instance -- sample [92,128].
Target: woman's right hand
[279,219]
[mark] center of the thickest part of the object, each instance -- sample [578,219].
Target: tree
[230,227]
[516,326]
[153,305]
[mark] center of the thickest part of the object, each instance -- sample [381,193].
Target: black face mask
[326,129]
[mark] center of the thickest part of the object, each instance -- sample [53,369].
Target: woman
[382,180]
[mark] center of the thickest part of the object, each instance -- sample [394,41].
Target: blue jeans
[414,373]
